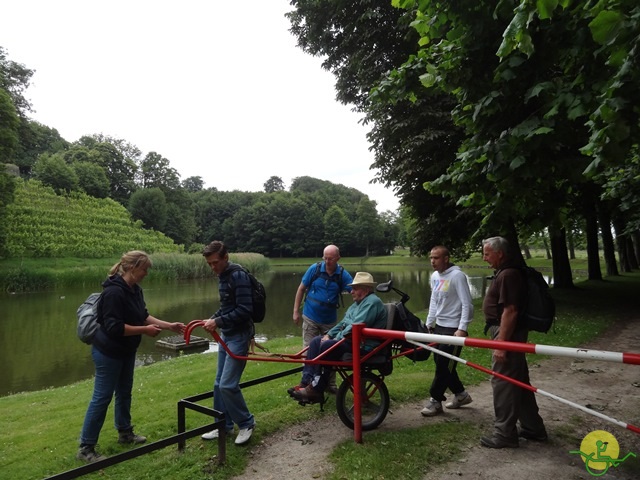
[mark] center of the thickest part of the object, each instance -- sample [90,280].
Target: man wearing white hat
[367,308]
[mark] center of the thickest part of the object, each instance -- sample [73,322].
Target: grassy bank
[39,430]
[37,274]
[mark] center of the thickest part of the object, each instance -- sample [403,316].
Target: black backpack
[406,321]
[258,295]
[540,311]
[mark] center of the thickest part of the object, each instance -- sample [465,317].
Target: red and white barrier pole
[630,358]
[527,386]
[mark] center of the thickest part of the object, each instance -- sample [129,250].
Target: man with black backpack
[504,301]
[323,284]
[234,321]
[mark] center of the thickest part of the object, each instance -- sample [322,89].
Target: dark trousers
[446,369]
[511,403]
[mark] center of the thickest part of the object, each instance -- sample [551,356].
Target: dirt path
[611,388]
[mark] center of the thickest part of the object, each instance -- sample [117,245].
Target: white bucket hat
[363,278]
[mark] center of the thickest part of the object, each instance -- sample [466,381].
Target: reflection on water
[39,347]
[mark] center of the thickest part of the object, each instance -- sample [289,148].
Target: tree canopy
[487,118]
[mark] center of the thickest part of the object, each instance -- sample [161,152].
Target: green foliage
[43,224]
[338,229]
[54,172]
[34,140]
[193,184]
[155,172]
[7,189]
[14,79]
[149,205]
[117,158]
[274,184]
[92,179]
[8,128]
[181,224]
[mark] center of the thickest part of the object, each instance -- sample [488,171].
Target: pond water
[39,347]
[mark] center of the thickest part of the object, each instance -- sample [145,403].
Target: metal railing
[188,403]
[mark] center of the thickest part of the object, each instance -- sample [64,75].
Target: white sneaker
[433,408]
[212,435]
[244,435]
[459,400]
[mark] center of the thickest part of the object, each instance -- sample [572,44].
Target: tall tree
[92,179]
[553,99]
[181,219]
[9,124]
[338,230]
[274,184]
[193,184]
[52,170]
[155,171]
[15,79]
[150,207]
[35,139]
[367,228]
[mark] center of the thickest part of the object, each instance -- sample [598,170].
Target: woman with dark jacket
[123,319]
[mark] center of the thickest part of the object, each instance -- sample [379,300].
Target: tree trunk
[635,236]
[562,277]
[512,238]
[546,247]
[572,248]
[527,252]
[593,255]
[621,240]
[631,253]
[608,246]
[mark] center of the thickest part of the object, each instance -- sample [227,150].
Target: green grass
[40,430]
[30,274]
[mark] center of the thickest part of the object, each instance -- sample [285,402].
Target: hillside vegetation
[43,224]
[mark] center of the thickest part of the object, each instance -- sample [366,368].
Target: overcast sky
[219,88]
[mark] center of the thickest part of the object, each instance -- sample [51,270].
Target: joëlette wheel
[375,401]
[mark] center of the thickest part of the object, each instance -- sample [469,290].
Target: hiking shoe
[296,388]
[88,454]
[308,394]
[433,408]
[244,435]
[498,442]
[127,436]
[459,400]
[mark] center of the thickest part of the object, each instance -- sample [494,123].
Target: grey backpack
[88,318]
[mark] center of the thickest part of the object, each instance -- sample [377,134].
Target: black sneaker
[88,454]
[127,436]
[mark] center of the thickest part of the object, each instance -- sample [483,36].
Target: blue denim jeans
[318,375]
[113,375]
[227,395]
